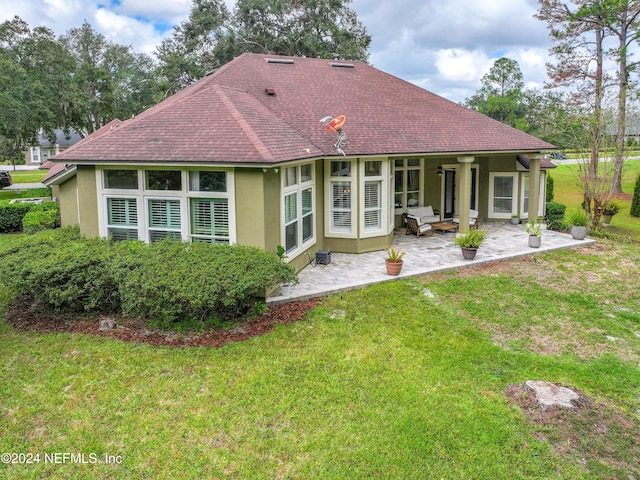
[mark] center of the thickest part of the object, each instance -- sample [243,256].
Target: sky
[444,47]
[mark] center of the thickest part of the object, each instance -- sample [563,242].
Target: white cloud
[125,30]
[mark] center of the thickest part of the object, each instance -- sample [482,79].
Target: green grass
[27,176]
[568,192]
[401,380]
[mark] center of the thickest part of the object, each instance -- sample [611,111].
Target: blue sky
[444,47]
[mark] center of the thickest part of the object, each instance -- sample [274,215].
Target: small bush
[554,218]
[578,218]
[11,216]
[550,192]
[41,217]
[635,202]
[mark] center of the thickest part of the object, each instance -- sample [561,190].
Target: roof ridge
[253,137]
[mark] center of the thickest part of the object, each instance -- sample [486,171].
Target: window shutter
[164,213]
[122,211]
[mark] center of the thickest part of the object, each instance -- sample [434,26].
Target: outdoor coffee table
[444,227]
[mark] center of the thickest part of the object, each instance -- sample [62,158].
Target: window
[208,181]
[210,220]
[502,195]
[298,207]
[122,218]
[164,219]
[154,205]
[372,189]
[164,180]
[121,179]
[525,188]
[341,207]
[408,175]
[35,154]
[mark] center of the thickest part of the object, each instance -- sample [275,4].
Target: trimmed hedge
[41,217]
[12,215]
[554,218]
[171,284]
[635,202]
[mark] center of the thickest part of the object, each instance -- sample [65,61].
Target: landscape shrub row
[38,216]
[171,284]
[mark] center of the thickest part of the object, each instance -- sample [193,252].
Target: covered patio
[423,255]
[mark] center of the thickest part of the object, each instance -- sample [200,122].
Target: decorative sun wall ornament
[334,124]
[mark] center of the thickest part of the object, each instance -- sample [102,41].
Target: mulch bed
[25,314]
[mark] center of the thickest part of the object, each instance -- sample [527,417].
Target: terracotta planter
[393,268]
[469,253]
[535,241]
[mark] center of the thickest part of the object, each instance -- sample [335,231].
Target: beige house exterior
[245,156]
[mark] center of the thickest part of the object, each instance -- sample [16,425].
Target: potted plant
[535,233]
[470,242]
[289,280]
[609,209]
[515,220]
[578,221]
[394,261]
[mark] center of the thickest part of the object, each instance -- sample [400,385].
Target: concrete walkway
[423,255]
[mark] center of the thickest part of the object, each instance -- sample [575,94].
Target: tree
[500,96]
[635,202]
[212,36]
[35,71]
[109,80]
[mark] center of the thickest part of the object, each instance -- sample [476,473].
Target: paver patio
[423,255]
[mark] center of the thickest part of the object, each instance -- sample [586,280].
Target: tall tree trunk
[623,85]
[596,130]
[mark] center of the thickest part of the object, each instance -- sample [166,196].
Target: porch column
[534,186]
[464,192]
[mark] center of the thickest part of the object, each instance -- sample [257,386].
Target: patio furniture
[413,226]
[445,227]
[473,219]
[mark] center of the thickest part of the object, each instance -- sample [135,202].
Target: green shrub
[554,218]
[172,284]
[578,218]
[178,284]
[472,239]
[635,202]
[11,216]
[549,188]
[41,217]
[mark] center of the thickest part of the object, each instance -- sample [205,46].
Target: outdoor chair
[473,219]
[413,226]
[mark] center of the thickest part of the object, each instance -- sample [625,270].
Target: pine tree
[635,203]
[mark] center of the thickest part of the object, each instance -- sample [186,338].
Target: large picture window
[154,205]
[298,207]
[408,188]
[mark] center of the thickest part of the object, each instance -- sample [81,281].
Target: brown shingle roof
[252,110]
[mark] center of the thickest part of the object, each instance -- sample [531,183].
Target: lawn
[408,379]
[418,378]
[568,193]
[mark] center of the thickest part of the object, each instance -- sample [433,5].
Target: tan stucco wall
[67,196]
[250,207]
[87,201]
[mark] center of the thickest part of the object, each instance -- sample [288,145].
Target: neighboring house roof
[526,162]
[263,109]
[61,139]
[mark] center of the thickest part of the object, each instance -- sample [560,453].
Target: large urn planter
[469,253]
[578,232]
[535,241]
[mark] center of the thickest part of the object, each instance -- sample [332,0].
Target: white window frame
[383,194]
[147,210]
[514,198]
[352,186]
[297,189]
[184,196]
[541,195]
[35,155]
[109,226]
[402,170]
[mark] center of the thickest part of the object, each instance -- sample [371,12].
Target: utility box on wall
[323,257]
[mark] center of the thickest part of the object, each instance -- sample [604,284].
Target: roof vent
[341,65]
[286,61]
[270,91]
